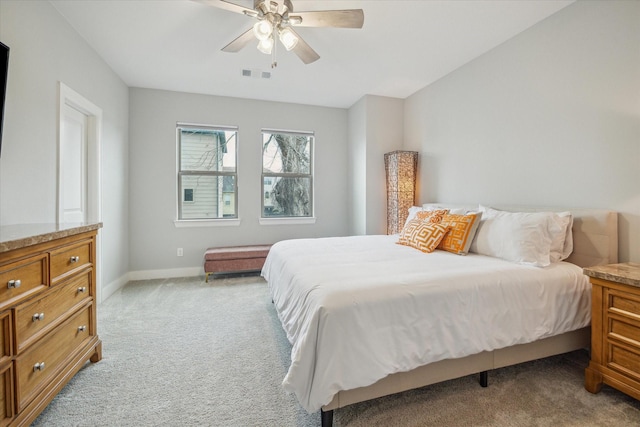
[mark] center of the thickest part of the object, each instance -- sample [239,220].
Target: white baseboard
[166,274]
[107,290]
[111,288]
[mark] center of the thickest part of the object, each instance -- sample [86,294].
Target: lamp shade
[401,169]
[262,29]
[266,45]
[288,38]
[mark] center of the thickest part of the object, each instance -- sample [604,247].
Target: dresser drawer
[6,394]
[6,333]
[42,361]
[34,318]
[70,258]
[21,279]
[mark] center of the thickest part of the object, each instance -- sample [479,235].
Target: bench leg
[207,277]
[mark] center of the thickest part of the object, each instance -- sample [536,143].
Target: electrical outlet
[180,252]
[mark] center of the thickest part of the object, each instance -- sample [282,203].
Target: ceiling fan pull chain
[274,62]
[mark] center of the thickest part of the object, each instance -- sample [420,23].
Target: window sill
[186,223]
[288,221]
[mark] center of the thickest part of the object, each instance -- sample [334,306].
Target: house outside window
[207,172]
[287,174]
[188,195]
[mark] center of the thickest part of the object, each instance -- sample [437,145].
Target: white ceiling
[403,46]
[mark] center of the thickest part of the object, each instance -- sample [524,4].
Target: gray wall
[375,128]
[551,117]
[44,51]
[153,180]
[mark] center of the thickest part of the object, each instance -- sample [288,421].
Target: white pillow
[521,237]
[562,242]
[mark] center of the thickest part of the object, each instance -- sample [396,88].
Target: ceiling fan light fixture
[262,29]
[266,45]
[288,38]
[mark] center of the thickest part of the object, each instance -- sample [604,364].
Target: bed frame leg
[484,378]
[326,418]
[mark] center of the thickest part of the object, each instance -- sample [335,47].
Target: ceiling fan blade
[231,7]
[349,18]
[304,51]
[240,42]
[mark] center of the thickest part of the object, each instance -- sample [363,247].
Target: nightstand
[615,328]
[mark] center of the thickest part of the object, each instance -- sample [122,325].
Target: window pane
[286,197]
[212,197]
[207,150]
[284,153]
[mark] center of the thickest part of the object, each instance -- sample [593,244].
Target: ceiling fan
[276,18]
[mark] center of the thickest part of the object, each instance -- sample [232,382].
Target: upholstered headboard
[595,231]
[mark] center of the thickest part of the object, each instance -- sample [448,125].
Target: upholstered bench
[234,259]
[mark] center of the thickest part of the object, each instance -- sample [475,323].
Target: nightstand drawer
[624,361]
[70,258]
[624,331]
[625,304]
[23,278]
[41,362]
[35,318]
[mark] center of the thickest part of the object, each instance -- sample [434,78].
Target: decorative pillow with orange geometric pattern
[463,229]
[422,235]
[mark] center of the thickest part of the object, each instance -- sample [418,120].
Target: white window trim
[291,220]
[218,222]
[288,220]
[200,222]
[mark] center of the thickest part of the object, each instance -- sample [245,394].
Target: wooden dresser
[47,314]
[615,328]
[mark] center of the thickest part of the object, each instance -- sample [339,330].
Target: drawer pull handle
[74,259]
[12,284]
[38,367]
[82,289]
[37,317]
[82,328]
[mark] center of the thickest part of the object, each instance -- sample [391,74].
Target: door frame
[73,99]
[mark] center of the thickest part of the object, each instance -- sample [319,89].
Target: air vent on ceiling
[256,74]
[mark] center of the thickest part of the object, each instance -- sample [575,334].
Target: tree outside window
[287,174]
[207,172]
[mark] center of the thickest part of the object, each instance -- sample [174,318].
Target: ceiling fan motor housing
[269,6]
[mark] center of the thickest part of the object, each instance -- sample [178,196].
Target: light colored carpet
[183,352]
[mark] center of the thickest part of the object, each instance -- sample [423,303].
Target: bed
[367,317]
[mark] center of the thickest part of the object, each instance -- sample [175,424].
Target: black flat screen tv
[4,71]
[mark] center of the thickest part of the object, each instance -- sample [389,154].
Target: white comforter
[357,309]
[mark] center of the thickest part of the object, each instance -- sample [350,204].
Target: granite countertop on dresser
[23,235]
[627,273]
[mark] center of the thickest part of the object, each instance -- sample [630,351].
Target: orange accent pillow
[463,229]
[422,235]
[434,216]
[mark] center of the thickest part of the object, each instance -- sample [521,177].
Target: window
[287,175]
[207,174]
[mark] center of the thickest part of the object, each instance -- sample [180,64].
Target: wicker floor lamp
[401,168]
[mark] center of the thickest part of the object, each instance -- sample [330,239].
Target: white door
[73,164]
